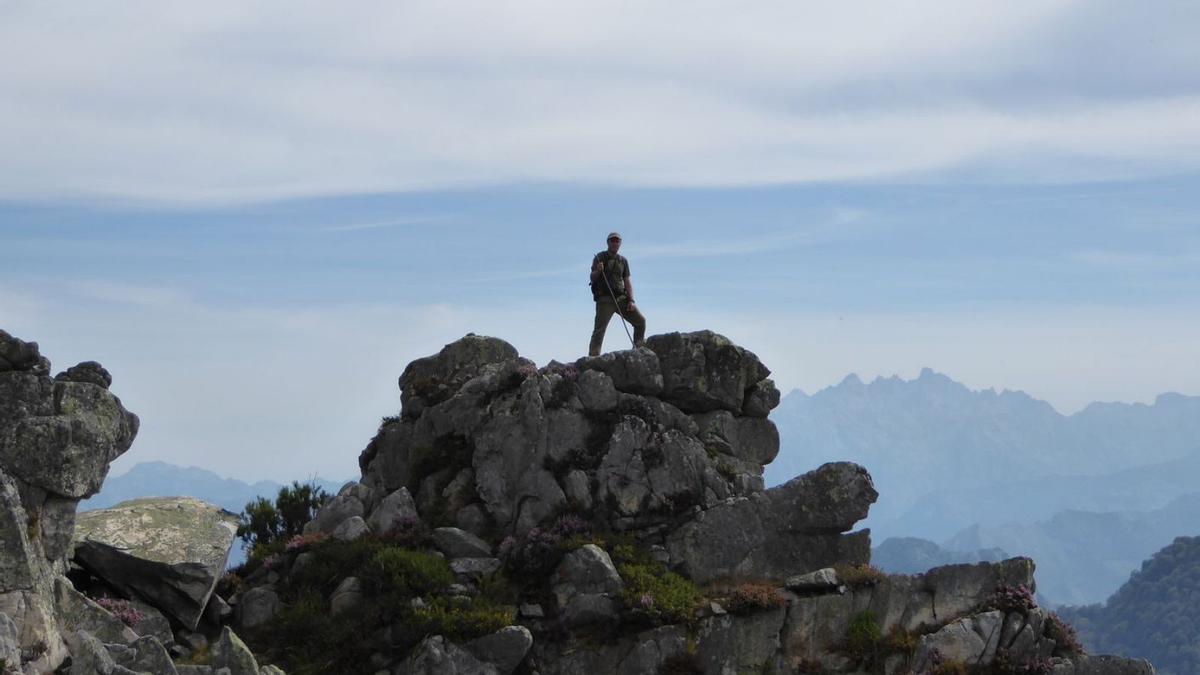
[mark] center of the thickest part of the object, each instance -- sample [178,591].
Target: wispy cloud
[230,102]
[374,225]
[129,294]
[843,222]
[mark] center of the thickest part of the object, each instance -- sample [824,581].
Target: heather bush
[754,596]
[1063,634]
[122,609]
[859,576]
[1012,599]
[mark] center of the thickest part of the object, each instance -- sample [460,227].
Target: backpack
[599,288]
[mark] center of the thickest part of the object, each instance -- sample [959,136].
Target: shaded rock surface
[169,551]
[57,439]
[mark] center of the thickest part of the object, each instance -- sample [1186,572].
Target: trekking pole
[618,305]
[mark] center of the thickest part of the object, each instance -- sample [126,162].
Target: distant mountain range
[945,457]
[1088,496]
[161,479]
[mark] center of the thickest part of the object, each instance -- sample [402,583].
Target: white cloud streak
[226,102]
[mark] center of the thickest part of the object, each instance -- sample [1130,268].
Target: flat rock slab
[167,551]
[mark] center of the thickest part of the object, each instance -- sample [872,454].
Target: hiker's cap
[614,235]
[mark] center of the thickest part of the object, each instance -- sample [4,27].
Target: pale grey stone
[633,371]
[955,642]
[230,652]
[256,607]
[988,625]
[146,654]
[10,640]
[396,508]
[505,648]
[168,551]
[335,512]
[821,581]
[77,612]
[350,529]
[88,655]
[457,543]
[596,391]
[587,569]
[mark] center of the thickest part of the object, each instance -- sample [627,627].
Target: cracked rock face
[670,437]
[169,551]
[57,439]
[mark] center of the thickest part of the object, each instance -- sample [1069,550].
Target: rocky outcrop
[57,439]
[167,551]
[667,442]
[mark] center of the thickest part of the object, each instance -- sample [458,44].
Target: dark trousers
[605,308]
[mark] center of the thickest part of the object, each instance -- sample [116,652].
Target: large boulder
[704,371]
[60,435]
[790,529]
[168,551]
[636,371]
[433,379]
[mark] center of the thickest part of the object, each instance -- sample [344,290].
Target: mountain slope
[1154,615]
[1083,557]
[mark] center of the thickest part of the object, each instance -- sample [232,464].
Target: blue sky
[255,216]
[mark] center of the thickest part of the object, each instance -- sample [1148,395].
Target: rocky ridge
[573,484]
[605,516]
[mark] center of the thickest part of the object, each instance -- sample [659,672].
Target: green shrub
[863,637]
[264,522]
[665,596]
[754,596]
[305,640]
[405,572]
[462,619]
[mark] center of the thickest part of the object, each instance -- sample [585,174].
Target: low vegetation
[754,596]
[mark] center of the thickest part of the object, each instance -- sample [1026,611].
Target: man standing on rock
[613,293]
